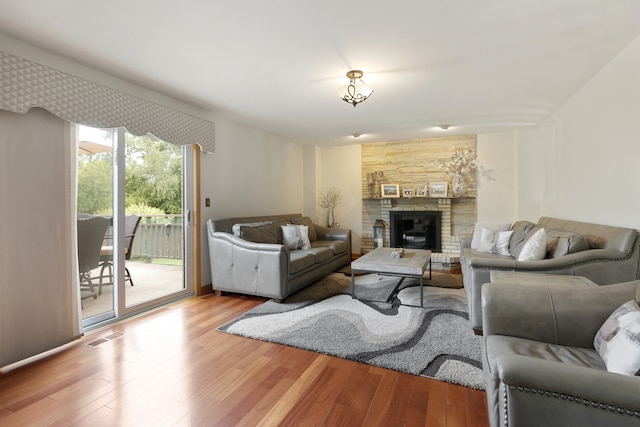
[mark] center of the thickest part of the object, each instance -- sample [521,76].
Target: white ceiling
[480,66]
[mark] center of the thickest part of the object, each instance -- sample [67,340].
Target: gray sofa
[539,359]
[255,261]
[612,256]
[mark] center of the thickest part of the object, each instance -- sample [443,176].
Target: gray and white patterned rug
[435,341]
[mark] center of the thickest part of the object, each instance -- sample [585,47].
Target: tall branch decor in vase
[460,167]
[329,200]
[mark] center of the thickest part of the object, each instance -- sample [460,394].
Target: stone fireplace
[411,164]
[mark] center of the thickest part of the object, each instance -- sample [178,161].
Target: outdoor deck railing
[158,236]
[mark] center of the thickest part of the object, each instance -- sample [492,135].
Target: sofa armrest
[465,240]
[555,393]
[238,265]
[557,315]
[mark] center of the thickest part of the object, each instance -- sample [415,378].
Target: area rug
[435,341]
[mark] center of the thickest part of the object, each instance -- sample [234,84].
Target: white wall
[530,173]
[589,150]
[341,168]
[497,178]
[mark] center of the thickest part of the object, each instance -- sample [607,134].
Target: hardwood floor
[172,368]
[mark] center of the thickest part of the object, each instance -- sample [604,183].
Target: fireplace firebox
[415,230]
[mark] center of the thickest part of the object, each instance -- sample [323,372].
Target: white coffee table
[413,264]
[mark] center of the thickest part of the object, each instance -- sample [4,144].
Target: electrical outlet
[207,202]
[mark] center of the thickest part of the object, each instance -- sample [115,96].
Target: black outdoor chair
[91,231]
[131,223]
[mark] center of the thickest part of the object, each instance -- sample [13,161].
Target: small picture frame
[407,192]
[390,190]
[438,189]
[422,191]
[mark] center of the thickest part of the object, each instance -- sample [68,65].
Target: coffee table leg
[421,286]
[353,285]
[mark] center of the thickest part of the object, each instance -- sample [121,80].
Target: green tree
[95,188]
[153,174]
[153,177]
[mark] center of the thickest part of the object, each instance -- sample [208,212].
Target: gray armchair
[540,364]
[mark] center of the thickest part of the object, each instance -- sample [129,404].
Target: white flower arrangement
[462,163]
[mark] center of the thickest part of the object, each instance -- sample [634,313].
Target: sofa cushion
[495,242]
[299,260]
[321,254]
[337,246]
[520,231]
[561,243]
[268,233]
[535,247]
[477,232]
[296,236]
[618,340]
[313,236]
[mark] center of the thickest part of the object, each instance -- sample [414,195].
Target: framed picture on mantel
[422,191]
[390,190]
[438,189]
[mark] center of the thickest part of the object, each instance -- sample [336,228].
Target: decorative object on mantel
[373,183]
[438,189]
[329,200]
[355,92]
[460,167]
[390,190]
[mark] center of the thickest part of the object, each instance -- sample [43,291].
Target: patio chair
[131,223]
[91,232]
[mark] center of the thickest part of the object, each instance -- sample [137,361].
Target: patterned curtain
[25,84]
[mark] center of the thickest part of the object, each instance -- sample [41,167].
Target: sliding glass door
[142,261]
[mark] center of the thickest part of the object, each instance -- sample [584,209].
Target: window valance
[25,84]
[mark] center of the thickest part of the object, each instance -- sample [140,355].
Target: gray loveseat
[611,256]
[255,261]
[539,359]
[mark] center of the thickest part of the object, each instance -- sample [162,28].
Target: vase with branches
[329,199]
[460,166]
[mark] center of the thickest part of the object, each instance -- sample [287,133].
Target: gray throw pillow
[268,233]
[521,230]
[313,236]
[235,229]
[560,243]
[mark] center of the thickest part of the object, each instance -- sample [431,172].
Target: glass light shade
[355,93]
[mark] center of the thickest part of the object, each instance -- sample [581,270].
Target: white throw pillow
[296,236]
[495,242]
[618,340]
[477,232]
[535,247]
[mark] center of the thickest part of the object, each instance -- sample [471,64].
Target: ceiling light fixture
[356,91]
[444,127]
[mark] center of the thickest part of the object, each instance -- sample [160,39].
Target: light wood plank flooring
[172,368]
